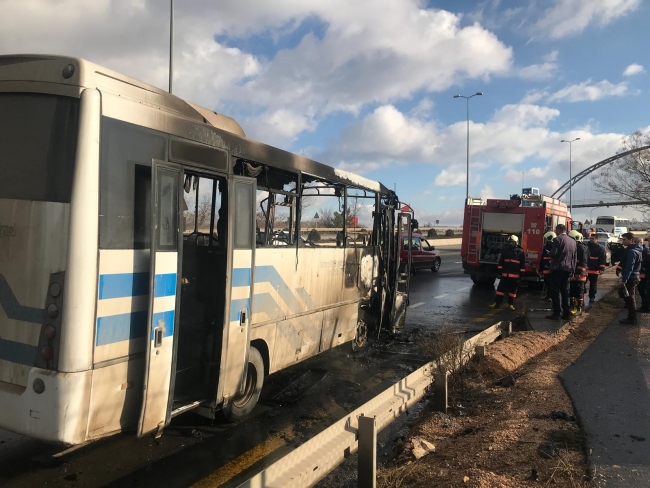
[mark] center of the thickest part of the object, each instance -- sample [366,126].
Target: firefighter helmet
[514,239]
[550,236]
[574,234]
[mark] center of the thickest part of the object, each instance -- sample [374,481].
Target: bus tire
[239,407]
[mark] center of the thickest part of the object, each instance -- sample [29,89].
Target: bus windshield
[38,140]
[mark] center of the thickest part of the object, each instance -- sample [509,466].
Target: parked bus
[612,224]
[139,280]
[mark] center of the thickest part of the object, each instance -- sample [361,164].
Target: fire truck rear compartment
[492,243]
[497,227]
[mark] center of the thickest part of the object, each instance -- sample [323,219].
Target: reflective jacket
[545,262]
[581,262]
[512,262]
[597,259]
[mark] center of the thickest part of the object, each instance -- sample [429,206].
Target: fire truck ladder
[474,245]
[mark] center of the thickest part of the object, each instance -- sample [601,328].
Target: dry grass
[505,437]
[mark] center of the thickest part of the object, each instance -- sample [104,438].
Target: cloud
[513,134]
[570,17]
[424,109]
[387,135]
[633,69]
[542,71]
[551,185]
[449,178]
[278,127]
[525,115]
[486,192]
[359,53]
[589,91]
[514,176]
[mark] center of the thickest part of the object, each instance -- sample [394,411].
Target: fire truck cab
[487,225]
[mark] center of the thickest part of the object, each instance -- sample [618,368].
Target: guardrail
[316,458]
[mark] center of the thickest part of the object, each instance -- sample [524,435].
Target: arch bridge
[601,203]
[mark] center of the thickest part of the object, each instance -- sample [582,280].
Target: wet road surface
[203,453]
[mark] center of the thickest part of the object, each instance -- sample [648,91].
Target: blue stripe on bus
[264,274]
[123,285]
[18,352]
[236,306]
[241,277]
[122,327]
[165,285]
[166,319]
[264,303]
[14,310]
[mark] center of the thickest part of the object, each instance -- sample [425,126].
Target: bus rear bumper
[58,414]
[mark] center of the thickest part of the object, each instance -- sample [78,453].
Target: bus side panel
[296,339]
[122,303]
[319,282]
[116,397]
[339,325]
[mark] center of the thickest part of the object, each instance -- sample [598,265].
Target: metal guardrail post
[506,328]
[440,392]
[367,461]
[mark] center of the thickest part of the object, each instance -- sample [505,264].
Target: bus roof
[77,73]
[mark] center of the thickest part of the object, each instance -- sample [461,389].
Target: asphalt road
[194,450]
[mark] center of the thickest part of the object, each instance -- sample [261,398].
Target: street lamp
[570,173]
[171,45]
[467,99]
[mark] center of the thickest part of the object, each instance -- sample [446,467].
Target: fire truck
[488,224]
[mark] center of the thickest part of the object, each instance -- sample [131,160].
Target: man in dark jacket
[511,264]
[563,264]
[630,267]
[596,265]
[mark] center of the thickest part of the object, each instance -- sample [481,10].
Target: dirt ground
[524,434]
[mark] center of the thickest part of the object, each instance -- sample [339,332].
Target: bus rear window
[38,142]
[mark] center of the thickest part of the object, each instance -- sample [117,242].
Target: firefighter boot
[511,307]
[494,305]
[574,306]
[580,305]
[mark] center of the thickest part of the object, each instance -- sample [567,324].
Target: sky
[368,85]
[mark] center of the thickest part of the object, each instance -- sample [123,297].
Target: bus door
[239,295]
[402,281]
[163,297]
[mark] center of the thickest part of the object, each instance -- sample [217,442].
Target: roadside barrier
[357,431]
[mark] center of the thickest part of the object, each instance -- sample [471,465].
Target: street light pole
[570,173]
[171,45]
[467,100]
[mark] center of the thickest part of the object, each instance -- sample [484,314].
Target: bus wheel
[360,340]
[239,407]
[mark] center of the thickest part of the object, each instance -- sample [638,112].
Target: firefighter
[595,266]
[545,263]
[579,279]
[511,264]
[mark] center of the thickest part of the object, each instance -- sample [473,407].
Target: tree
[326,217]
[204,212]
[629,177]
